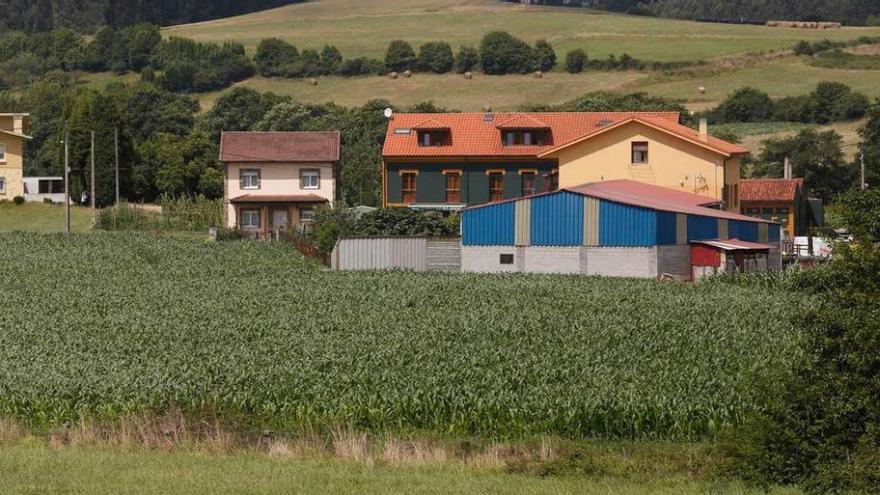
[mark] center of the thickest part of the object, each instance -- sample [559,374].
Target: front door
[280,219]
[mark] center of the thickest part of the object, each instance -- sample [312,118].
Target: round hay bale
[407,73]
[393,75]
[313,81]
[539,74]
[468,75]
[702,90]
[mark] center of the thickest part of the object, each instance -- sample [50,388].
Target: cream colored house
[12,137]
[275,180]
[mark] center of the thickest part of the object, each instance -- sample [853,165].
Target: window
[525,138]
[506,259]
[782,211]
[433,138]
[528,183]
[453,188]
[2,185]
[639,152]
[408,187]
[2,153]
[551,181]
[250,179]
[250,219]
[310,179]
[753,211]
[496,186]
[306,214]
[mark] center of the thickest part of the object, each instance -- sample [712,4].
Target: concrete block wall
[487,259]
[638,262]
[675,260]
[552,259]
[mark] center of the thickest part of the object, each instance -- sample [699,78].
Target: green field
[41,217]
[249,329]
[31,467]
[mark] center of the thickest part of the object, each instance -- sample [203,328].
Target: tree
[870,145]
[238,110]
[400,56]
[467,58]
[815,156]
[331,60]
[575,60]
[501,53]
[436,56]
[274,57]
[545,56]
[148,111]
[182,165]
[744,105]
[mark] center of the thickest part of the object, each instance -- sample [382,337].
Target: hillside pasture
[365,29]
[250,330]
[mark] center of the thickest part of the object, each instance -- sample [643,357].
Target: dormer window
[433,138]
[525,137]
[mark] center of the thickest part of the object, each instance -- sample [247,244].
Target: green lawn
[41,217]
[33,468]
[365,28]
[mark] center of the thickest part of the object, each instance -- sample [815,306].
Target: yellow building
[654,152]
[12,137]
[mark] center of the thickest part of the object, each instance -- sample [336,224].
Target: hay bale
[313,81]
[468,75]
[702,90]
[407,73]
[538,74]
[393,75]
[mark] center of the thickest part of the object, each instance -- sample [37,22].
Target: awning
[279,198]
[734,245]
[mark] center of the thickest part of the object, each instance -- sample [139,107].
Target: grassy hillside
[205,330]
[365,28]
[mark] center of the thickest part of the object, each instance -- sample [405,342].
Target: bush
[274,57]
[575,61]
[48,201]
[233,234]
[468,57]
[436,56]
[123,217]
[400,56]
[186,213]
[331,60]
[545,56]
[793,109]
[745,105]
[361,66]
[19,200]
[501,53]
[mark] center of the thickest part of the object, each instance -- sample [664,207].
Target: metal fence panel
[402,253]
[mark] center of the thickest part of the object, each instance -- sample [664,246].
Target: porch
[265,216]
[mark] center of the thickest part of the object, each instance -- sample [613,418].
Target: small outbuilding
[730,256]
[617,228]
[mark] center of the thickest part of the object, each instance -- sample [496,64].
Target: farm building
[613,228]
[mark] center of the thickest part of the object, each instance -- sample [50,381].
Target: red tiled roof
[478,134]
[769,189]
[278,198]
[279,146]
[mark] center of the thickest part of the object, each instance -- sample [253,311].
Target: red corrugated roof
[279,146]
[478,134]
[769,189]
[646,196]
[279,198]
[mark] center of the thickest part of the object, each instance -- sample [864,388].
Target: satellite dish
[388,113]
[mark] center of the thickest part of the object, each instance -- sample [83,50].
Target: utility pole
[66,182]
[864,184]
[92,191]
[116,151]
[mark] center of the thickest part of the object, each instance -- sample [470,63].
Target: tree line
[88,15]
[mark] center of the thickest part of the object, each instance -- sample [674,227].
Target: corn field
[115,323]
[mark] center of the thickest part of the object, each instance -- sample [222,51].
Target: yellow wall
[672,162]
[12,169]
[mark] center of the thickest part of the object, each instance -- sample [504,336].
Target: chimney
[786,169]
[704,130]
[18,123]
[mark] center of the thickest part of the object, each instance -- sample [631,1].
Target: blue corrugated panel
[626,226]
[558,220]
[773,231]
[666,228]
[489,226]
[742,230]
[702,228]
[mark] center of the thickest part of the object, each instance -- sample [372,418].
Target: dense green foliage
[822,428]
[839,59]
[830,102]
[869,147]
[89,15]
[502,53]
[332,224]
[165,323]
[603,101]
[466,59]
[193,214]
[400,56]
[436,57]
[575,60]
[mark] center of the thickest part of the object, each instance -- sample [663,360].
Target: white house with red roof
[454,160]
[275,180]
